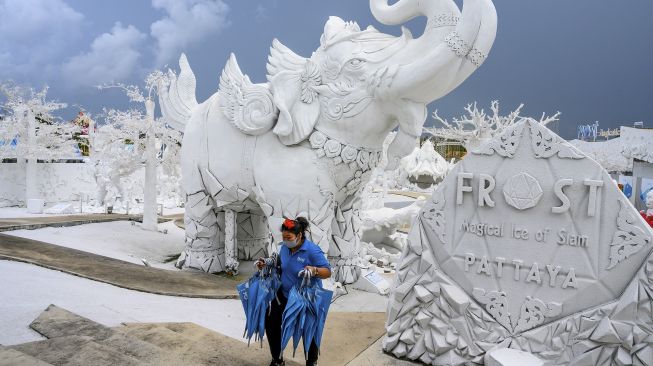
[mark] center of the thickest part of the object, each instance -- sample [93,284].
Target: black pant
[273,331]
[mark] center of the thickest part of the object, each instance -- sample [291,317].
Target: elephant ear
[293,80]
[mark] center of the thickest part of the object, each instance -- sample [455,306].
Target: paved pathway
[117,272]
[30,223]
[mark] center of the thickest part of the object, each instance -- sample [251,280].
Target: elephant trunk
[405,10]
[457,44]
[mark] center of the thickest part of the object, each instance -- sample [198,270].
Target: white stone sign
[530,245]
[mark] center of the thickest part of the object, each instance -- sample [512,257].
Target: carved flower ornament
[363,159]
[317,140]
[332,148]
[349,154]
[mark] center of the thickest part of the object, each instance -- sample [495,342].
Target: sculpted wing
[177,100]
[247,106]
[282,59]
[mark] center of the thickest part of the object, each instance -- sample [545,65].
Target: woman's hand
[312,270]
[321,273]
[260,263]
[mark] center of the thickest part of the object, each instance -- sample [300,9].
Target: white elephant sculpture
[304,142]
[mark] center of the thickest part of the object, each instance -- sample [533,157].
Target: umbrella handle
[306,277]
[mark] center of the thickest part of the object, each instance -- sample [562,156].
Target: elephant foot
[231,268]
[209,261]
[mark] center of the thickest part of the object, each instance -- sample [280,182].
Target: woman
[296,254]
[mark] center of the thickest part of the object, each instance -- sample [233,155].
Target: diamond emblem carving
[522,191]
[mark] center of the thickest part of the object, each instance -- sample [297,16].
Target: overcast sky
[589,59]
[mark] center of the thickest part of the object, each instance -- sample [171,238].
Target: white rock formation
[304,143]
[386,217]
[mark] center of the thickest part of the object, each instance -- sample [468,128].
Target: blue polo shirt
[308,254]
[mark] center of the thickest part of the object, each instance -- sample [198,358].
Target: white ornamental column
[149,189]
[230,243]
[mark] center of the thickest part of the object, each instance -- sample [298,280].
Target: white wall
[59,182]
[56,182]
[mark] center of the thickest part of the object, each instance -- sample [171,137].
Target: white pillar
[31,190]
[230,243]
[149,189]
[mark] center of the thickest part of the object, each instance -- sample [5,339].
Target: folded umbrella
[322,301]
[256,294]
[310,325]
[305,314]
[291,315]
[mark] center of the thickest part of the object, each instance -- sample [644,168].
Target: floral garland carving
[505,145]
[628,239]
[433,214]
[360,160]
[496,304]
[533,311]
[442,20]
[546,144]
[464,50]
[357,158]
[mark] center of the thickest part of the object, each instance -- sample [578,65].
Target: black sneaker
[278,363]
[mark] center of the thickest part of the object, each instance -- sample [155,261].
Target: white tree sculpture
[478,126]
[30,132]
[117,152]
[148,129]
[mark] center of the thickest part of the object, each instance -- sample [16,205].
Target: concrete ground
[374,355]
[75,340]
[352,335]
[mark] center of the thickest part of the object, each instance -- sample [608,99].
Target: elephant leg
[253,236]
[343,251]
[274,223]
[230,243]
[204,248]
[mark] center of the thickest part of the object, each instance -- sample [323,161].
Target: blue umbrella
[252,306]
[311,321]
[256,294]
[291,315]
[323,301]
[242,294]
[305,314]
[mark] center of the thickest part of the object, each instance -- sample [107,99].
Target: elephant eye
[356,63]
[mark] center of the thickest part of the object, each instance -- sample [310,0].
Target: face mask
[290,243]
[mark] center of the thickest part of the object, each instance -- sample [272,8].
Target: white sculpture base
[511,357]
[61,209]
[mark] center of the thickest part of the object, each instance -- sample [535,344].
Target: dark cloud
[588,59]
